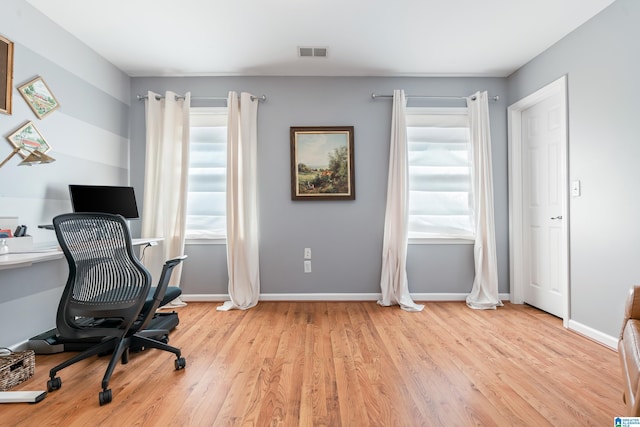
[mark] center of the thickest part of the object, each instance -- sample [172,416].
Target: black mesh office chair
[106,292]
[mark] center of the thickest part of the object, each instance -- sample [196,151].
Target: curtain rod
[253,97]
[376,96]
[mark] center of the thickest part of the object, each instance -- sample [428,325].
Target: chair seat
[171,293]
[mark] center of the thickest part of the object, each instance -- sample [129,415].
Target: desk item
[15,367]
[20,244]
[21,231]
[4,248]
[104,198]
[106,293]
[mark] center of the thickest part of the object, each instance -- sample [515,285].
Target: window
[440,180]
[206,198]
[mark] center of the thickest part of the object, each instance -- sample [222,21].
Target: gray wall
[89,136]
[602,62]
[345,236]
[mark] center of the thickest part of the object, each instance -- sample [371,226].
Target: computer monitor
[105,199]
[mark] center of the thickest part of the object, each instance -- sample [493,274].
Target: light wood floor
[345,364]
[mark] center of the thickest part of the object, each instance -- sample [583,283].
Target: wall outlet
[307,253]
[307,266]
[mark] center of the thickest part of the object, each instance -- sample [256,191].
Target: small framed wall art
[28,139]
[39,97]
[322,163]
[6,74]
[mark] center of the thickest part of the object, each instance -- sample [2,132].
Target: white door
[543,128]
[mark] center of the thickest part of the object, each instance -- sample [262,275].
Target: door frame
[517,257]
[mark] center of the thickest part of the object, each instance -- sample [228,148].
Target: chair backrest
[106,280]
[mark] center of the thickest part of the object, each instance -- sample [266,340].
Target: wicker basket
[15,367]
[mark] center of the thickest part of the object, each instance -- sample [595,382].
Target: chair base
[119,347]
[51,342]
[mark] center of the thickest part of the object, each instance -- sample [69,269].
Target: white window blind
[440,187]
[206,199]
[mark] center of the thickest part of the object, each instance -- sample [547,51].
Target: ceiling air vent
[309,52]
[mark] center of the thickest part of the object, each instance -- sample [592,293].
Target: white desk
[146,240]
[26,259]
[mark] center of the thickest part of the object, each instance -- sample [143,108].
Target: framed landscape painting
[39,97]
[322,163]
[6,74]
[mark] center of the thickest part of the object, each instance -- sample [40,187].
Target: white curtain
[166,174]
[393,279]
[484,292]
[242,203]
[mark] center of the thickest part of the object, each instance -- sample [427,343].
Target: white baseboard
[320,297]
[450,297]
[284,297]
[21,346]
[204,297]
[600,337]
[332,297]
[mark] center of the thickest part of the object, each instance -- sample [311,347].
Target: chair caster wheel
[54,384]
[105,397]
[180,363]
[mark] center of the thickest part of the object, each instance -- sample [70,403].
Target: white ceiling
[364,37]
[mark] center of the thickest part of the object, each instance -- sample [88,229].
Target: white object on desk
[19,244]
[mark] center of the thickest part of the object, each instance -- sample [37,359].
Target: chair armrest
[167,269]
[161,288]
[632,307]
[175,261]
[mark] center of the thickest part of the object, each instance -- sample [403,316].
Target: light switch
[307,253]
[575,188]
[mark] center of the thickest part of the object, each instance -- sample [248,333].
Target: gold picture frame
[28,139]
[6,74]
[322,163]
[39,97]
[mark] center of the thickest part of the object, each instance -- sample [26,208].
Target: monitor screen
[104,198]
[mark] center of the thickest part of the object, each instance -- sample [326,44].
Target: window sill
[440,241]
[206,241]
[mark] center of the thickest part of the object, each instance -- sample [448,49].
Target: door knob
[557,217]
